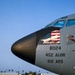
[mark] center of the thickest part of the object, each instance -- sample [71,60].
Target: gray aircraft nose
[25,48]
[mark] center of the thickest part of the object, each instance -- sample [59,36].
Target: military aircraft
[51,48]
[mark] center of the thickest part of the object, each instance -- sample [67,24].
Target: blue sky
[19,18]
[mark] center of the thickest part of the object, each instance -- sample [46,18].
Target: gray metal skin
[60,61]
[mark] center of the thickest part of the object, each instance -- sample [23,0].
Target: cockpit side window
[70,22]
[60,23]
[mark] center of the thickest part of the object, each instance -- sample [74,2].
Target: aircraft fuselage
[51,48]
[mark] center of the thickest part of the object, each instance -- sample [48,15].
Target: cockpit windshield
[70,22]
[59,23]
